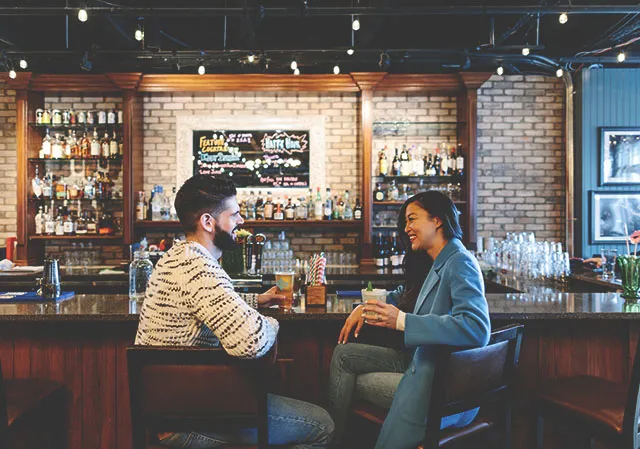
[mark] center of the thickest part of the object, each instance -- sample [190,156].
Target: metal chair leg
[539,431]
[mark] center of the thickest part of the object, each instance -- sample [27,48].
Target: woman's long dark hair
[417,264]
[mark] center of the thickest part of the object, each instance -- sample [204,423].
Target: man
[190,301]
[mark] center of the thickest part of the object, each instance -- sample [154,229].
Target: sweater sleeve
[468,323]
[242,331]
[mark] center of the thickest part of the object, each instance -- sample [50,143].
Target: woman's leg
[347,363]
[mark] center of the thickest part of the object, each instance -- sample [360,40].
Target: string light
[525,51]
[296,71]
[350,51]
[201,69]
[294,65]
[355,23]
[500,70]
[251,58]
[563,18]
[336,69]
[559,73]
[12,74]
[23,63]
[82,15]
[621,56]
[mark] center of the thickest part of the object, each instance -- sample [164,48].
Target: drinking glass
[608,263]
[630,274]
[284,286]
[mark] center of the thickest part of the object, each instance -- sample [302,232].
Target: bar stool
[187,389]
[32,414]
[464,380]
[595,406]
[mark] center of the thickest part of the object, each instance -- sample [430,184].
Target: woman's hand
[354,320]
[270,298]
[380,314]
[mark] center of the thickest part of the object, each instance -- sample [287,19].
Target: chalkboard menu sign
[254,158]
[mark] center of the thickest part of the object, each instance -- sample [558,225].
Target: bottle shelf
[101,160]
[416,178]
[102,201]
[343,224]
[75,237]
[395,129]
[78,127]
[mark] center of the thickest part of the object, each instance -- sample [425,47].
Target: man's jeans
[371,373]
[292,423]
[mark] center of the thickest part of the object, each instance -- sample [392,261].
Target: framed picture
[619,156]
[610,212]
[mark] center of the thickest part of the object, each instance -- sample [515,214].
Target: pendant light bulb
[251,58]
[355,24]
[139,35]
[12,74]
[621,56]
[201,69]
[296,71]
[82,15]
[350,51]
[526,51]
[23,64]
[500,70]
[563,18]
[336,69]
[559,73]
[294,65]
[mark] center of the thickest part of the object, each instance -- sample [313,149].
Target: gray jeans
[292,423]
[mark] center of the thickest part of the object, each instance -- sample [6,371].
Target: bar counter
[509,306]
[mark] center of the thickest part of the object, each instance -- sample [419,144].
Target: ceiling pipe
[323,11]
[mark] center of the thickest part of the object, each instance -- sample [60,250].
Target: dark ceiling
[417,36]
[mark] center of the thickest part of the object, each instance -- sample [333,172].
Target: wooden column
[367,83]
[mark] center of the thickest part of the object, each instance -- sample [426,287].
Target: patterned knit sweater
[190,301]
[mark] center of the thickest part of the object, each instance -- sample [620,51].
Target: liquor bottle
[95,145]
[39,220]
[105,226]
[56,147]
[85,146]
[278,213]
[259,206]
[92,227]
[156,203]
[165,207]
[378,193]
[67,145]
[383,162]
[336,213]
[173,214]
[81,117]
[347,211]
[405,166]
[243,207]
[47,187]
[81,223]
[392,191]
[61,189]
[418,162]
[111,117]
[73,191]
[436,163]
[59,223]
[251,206]
[289,210]
[327,210]
[102,117]
[268,208]
[379,252]
[68,225]
[302,209]
[394,252]
[460,162]
[318,209]
[452,161]
[140,207]
[45,149]
[395,167]
[107,186]
[114,149]
[36,185]
[104,145]
[49,224]
[357,211]
[444,161]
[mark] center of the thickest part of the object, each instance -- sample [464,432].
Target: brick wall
[8,164]
[521,165]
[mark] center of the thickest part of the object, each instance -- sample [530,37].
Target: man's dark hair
[202,194]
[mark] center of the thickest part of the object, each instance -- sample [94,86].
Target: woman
[450,310]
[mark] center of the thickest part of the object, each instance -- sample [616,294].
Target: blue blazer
[451,310]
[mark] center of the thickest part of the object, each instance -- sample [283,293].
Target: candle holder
[630,275]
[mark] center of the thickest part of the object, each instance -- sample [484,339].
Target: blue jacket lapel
[433,277]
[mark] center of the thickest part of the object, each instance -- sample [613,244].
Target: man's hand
[270,298]
[380,314]
[355,319]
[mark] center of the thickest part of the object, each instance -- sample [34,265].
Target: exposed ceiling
[409,36]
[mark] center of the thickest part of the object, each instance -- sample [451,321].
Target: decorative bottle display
[140,271]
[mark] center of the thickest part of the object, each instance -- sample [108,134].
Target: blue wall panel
[606,98]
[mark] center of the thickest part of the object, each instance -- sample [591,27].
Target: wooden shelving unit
[306,224]
[76,237]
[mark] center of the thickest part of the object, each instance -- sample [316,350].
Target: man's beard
[223,240]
